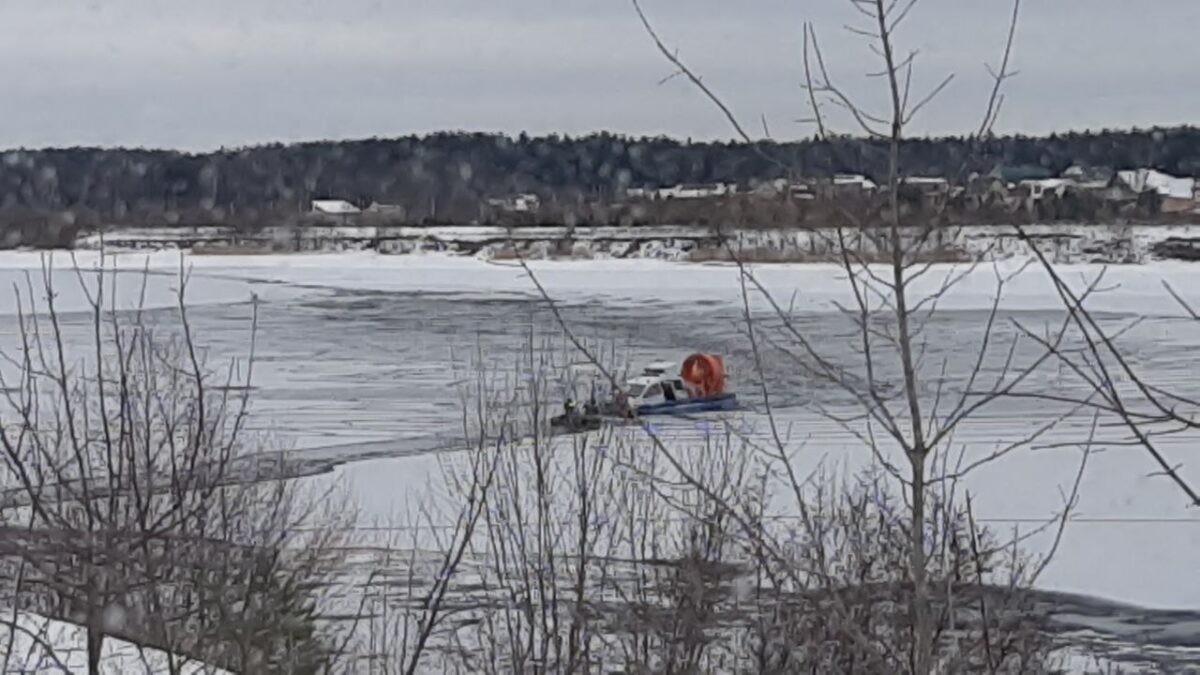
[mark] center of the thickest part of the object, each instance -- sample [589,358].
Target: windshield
[635,390]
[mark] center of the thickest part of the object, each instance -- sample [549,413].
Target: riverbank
[1080,243]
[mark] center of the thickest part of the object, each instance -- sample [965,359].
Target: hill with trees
[49,194]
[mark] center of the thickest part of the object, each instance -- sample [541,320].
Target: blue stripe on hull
[689,406]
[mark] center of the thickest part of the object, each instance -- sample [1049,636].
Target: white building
[334,207]
[391,209]
[854,180]
[1143,180]
[1178,194]
[928,183]
[522,203]
[1040,188]
[697,191]
[526,203]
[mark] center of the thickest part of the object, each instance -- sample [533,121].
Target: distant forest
[48,195]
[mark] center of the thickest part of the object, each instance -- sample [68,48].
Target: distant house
[697,191]
[1117,192]
[1038,189]
[801,192]
[688,191]
[987,191]
[769,188]
[1178,195]
[1089,178]
[853,182]
[388,209]
[926,185]
[341,210]
[1012,175]
[335,207]
[783,188]
[525,202]
[931,191]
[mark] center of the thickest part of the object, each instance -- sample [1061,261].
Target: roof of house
[380,207]
[1016,174]
[334,207]
[1088,174]
[1049,182]
[1143,180]
[854,179]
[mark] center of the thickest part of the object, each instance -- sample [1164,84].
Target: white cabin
[659,382]
[658,388]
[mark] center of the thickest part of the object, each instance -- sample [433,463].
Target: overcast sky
[203,74]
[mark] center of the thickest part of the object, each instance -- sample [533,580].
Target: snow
[1133,286]
[816,286]
[462,233]
[22,271]
[1138,526]
[44,645]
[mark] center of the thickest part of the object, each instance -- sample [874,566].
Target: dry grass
[236,249]
[773,255]
[509,253]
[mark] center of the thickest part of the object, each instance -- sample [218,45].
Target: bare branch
[810,34]
[996,100]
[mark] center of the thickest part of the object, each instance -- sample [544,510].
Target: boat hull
[689,406]
[573,424]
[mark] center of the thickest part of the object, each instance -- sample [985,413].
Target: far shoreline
[1063,243]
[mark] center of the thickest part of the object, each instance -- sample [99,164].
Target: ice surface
[1134,539]
[816,287]
[74,281]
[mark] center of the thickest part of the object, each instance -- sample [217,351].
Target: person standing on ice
[591,407]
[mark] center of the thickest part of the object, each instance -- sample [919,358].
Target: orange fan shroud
[704,374]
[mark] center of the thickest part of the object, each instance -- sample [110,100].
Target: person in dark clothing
[571,411]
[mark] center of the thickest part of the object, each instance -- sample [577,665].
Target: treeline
[447,177]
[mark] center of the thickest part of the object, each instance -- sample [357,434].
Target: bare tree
[630,547]
[891,319]
[136,502]
[1113,385]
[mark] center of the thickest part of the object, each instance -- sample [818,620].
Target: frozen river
[357,355]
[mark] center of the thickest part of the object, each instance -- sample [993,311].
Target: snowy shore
[1083,243]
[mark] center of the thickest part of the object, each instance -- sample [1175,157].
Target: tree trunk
[95,643]
[919,608]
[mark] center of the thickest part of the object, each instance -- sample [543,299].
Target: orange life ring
[704,374]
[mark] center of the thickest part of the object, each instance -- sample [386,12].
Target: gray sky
[198,75]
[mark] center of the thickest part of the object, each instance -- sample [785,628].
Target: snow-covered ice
[1134,540]
[41,645]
